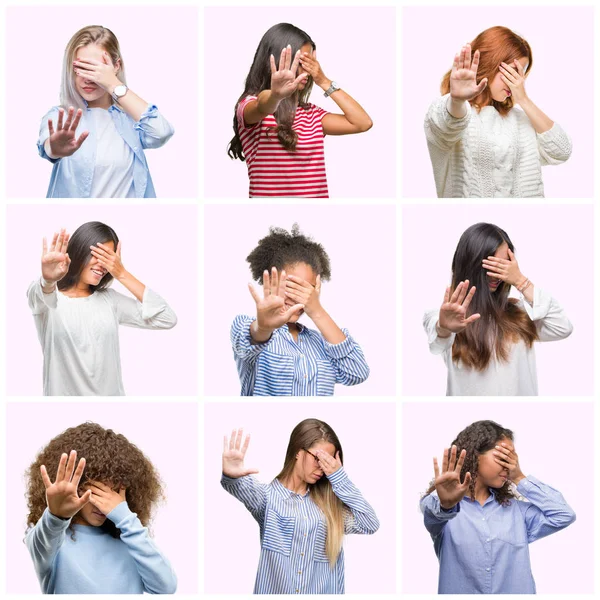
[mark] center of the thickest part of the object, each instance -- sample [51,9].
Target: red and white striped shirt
[273,170]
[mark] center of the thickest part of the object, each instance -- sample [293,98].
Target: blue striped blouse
[292,534]
[283,367]
[485,549]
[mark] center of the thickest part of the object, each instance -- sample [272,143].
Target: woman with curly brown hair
[482,512]
[277,356]
[87,530]
[480,144]
[486,337]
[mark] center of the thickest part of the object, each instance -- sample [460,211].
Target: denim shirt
[72,176]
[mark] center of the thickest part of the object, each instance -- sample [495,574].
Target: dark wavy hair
[502,322]
[86,235]
[281,248]
[259,79]
[110,458]
[476,439]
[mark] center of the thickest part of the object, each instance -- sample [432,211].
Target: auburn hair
[503,322]
[496,45]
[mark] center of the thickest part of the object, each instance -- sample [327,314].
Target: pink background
[362,253]
[232,542]
[429,43]
[174,454]
[161,67]
[554,247]
[159,246]
[558,455]
[358,166]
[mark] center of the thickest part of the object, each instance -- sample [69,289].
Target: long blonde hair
[304,436]
[93,34]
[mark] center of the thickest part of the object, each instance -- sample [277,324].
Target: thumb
[253,293]
[119,248]
[87,497]
[250,471]
[482,85]
[467,481]
[295,309]
[318,285]
[511,254]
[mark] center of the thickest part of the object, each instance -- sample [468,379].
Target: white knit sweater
[486,155]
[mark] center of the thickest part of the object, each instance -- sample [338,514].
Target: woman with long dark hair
[303,513]
[480,144]
[87,527]
[478,520]
[277,131]
[77,315]
[95,139]
[486,337]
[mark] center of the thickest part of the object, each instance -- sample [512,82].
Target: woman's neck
[104,101]
[79,290]
[295,484]
[294,330]
[482,492]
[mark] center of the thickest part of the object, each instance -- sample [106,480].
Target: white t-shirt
[515,377]
[80,337]
[113,168]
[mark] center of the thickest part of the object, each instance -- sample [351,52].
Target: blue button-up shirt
[282,366]
[293,531]
[484,549]
[72,176]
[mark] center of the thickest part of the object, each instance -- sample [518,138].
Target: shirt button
[299,572]
[487,540]
[483,518]
[487,569]
[301,553]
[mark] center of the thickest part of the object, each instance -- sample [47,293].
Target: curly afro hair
[281,248]
[476,439]
[110,459]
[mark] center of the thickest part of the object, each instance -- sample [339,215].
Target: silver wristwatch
[334,87]
[119,92]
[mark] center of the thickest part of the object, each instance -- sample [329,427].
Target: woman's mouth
[98,273]
[508,92]
[89,89]
[98,514]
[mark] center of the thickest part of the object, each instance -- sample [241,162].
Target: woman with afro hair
[277,356]
[87,530]
[482,512]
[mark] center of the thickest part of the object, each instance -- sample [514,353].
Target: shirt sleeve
[347,357]
[546,512]
[437,344]
[442,130]
[154,569]
[152,313]
[39,302]
[239,113]
[434,516]
[361,517]
[554,146]
[250,492]
[550,319]
[43,542]
[45,133]
[154,130]
[244,349]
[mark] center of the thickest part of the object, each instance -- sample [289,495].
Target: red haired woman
[480,145]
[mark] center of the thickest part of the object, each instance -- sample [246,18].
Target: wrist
[442,331]
[110,88]
[258,333]
[324,84]
[316,313]
[517,479]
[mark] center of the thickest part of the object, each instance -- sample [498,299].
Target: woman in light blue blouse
[479,522]
[303,514]
[88,524]
[277,356]
[97,148]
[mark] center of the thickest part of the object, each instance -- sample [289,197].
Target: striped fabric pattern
[283,367]
[274,171]
[293,532]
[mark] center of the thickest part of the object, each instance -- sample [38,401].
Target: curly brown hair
[110,459]
[476,439]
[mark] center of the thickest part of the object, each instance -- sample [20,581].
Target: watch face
[120,90]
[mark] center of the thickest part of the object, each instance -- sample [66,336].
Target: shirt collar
[285,492]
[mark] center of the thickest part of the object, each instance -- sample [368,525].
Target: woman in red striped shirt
[278,133]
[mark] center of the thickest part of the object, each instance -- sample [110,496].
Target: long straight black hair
[86,235]
[502,321]
[259,79]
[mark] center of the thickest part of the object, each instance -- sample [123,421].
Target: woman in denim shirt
[118,123]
